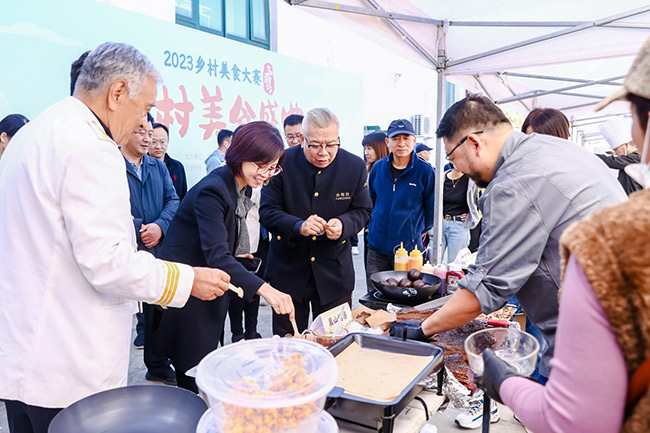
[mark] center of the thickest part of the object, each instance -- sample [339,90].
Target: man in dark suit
[312,208]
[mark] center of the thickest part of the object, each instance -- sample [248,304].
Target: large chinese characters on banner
[209,82]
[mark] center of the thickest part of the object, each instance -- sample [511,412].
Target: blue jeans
[454,238]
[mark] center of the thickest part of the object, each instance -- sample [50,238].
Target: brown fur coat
[613,249]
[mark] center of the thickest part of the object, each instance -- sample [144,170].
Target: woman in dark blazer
[209,229]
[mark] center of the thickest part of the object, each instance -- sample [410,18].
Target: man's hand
[333,229]
[463,217]
[314,225]
[495,371]
[150,234]
[409,328]
[281,302]
[209,283]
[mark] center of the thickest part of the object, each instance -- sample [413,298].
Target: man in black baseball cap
[401,188]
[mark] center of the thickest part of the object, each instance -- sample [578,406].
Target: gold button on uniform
[315,194]
[313,238]
[313,259]
[343,242]
[319,172]
[278,237]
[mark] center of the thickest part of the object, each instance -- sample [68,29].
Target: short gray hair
[112,61]
[320,118]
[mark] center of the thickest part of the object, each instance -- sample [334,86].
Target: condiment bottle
[427,268]
[440,271]
[401,258]
[415,259]
[453,276]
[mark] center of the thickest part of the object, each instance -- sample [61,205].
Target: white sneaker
[473,418]
[355,251]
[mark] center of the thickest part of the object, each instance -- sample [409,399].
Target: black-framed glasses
[271,171]
[461,142]
[315,146]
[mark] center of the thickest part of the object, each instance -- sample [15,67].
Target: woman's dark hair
[12,123]
[258,142]
[376,140]
[642,107]
[548,121]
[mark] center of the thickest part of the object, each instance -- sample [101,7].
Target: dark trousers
[282,325]
[156,365]
[24,418]
[377,262]
[249,309]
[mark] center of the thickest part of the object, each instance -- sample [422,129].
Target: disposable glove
[412,328]
[495,371]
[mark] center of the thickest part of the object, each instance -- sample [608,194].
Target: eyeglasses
[315,146]
[141,132]
[155,142]
[293,138]
[461,142]
[271,171]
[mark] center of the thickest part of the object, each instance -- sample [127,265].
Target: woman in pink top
[603,332]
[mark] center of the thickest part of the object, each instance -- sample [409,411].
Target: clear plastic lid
[266,373]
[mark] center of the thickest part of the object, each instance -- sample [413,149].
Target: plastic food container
[517,348]
[208,424]
[323,338]
[274,385]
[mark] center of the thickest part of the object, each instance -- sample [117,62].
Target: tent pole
[435,239]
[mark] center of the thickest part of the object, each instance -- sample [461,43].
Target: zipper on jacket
[394,182]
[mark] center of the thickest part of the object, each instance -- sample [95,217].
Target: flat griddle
[380,415]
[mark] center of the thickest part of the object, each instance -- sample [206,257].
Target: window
[241,20]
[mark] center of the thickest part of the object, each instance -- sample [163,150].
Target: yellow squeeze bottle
[401,258]
[415,259]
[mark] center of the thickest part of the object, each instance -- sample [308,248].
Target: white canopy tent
[522,54]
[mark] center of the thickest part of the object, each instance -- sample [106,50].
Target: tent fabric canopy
[522,54]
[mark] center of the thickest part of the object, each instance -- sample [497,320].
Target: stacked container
[274,385]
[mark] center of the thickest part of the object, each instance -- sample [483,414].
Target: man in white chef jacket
[69,265]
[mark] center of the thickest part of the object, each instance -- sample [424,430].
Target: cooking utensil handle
[295,327]
[487,403]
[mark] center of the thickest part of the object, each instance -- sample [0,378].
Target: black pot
[133,409]
[433,290]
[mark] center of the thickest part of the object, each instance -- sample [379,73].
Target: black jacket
[619,163]
[177,173]
[203,233]
[340,190]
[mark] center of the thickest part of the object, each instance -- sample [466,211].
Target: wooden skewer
[236,289]
[295,328]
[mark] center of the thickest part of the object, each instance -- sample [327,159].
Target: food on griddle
[292,376]
[392,282]
[418,284]
[405,282]
[414,275]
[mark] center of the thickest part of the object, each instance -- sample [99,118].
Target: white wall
[161,9]
[393,86]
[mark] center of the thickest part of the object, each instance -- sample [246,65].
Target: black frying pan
[434,289]
[133,409]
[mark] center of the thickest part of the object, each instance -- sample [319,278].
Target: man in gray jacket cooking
[536,186]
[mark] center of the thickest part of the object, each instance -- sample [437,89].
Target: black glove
[409,328]
[495,371]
